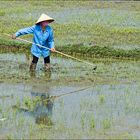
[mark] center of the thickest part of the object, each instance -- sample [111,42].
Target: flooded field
[70,101]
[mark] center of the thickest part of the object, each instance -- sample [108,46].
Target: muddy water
[30,100]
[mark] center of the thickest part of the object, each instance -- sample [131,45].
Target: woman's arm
[28,30]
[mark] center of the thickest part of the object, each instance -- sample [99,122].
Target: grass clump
[2,12]
[106,124]
[92,123]
[102,99]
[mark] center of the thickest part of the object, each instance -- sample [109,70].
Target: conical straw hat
[44,17]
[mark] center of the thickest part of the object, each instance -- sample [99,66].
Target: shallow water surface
[72,98]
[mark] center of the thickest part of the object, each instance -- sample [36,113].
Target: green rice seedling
[9,137]
[92,122]
[28,103]
[102,98]
[124,135]
[82,120]
[106,124]
[2,12]
[21,121]
[0,109]
[31,103]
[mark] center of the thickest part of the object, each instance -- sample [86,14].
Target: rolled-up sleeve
[28,30]
[51,39]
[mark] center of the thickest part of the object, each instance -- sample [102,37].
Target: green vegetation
[96,31]
[92,122]
[102,99]
[99,29]
[106,124]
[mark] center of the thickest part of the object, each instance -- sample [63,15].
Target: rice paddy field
[72,101]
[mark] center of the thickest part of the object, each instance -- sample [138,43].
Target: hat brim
[50,20]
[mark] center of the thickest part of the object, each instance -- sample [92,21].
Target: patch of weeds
[125,135]
[92,122]
[0,109]
[30,103]
[43,121]
[83,120]
[2,12]
[18,103]
[21,121]
[102,98]
[106,124]
[18,10]
[9,137]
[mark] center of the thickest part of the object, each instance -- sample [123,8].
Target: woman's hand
[52,49]
[13,36]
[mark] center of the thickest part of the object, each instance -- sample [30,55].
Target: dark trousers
[46,59]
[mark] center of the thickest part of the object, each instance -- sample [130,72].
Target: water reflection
[43,108]
[42,103]
[39,104]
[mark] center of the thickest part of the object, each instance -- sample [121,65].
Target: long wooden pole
[91,64]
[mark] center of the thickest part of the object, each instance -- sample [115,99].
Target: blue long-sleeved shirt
[43,38]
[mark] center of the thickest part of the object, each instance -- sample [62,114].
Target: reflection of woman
[43,35]
[43,104]
[39,106]
[43,109]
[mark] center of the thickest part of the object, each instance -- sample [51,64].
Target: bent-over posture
[42,35]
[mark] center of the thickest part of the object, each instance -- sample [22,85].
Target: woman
[43,35]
